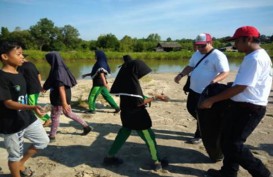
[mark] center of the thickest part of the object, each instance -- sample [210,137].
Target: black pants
[240,121]
[192,103]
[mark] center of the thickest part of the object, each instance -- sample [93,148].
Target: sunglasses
[201,46]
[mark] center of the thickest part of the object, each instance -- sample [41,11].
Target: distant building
[228,49]
[167,47]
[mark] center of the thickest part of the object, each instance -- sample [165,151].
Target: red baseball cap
[245,31]
[203,38]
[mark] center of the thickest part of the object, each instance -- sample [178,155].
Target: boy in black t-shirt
[17,118]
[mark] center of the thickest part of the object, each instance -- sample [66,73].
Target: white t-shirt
[255,72]
[215,63]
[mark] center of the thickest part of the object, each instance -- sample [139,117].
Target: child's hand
[66,108]
[39,111]
[162,97]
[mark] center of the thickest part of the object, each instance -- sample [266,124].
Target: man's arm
[230,92]
[220,77]
[183,73]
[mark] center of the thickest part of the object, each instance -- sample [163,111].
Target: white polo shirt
[215,63]
[255,72]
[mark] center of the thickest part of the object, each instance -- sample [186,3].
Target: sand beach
[73,155]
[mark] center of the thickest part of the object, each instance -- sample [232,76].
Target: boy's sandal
[27,172]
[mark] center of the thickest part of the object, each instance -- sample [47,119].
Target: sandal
[27,172]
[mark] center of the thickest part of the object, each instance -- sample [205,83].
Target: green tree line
[45,36]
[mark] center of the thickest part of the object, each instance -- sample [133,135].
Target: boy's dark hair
[6,47]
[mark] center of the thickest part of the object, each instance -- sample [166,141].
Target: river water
[158,66]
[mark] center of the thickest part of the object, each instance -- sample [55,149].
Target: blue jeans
[240,121]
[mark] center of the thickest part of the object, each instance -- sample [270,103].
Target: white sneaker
[195,140]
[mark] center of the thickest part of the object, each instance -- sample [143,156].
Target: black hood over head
[59,72]
[127,80]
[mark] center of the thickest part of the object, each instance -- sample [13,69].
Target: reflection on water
[157,66]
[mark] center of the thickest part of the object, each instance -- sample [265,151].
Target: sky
[177,19]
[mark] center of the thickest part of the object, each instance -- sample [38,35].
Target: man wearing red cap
[207,65]
[247,106]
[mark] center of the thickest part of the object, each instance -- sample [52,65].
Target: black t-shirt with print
[13,87]
[55,98]
[31,73]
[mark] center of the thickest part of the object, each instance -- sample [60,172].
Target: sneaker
[164,163]
[52,139]
[112,161]
[116,111]
[214,173]
[195,141]
[86,130]
[90,112]
[156,166]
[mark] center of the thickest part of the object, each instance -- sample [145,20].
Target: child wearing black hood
[134,115]
[60,81]
[100,85]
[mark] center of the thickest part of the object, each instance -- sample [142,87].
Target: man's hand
[206,104]
[178,78]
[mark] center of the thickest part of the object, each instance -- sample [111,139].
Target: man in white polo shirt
[212,69]
[248,99]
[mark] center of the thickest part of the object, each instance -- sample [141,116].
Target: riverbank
[72,56]
[73,155]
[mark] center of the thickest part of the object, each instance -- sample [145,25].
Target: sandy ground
[73,155]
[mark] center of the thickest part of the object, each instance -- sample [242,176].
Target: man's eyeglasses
[201,46]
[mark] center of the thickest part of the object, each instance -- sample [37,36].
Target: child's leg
[33,100]
[149,137]
[14,168]
[15,147]
[55,118]
[76,118]
[94,92]
[120,139]
[37,135]
[107,96]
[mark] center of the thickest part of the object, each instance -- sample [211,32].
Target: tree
[70,36]
[271,38]
[126,44]
[17,28]
[108,41]
[4,33]
[138,46]
[154,37]
[169,39]
[23,37]
[92,45]
[44,32]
